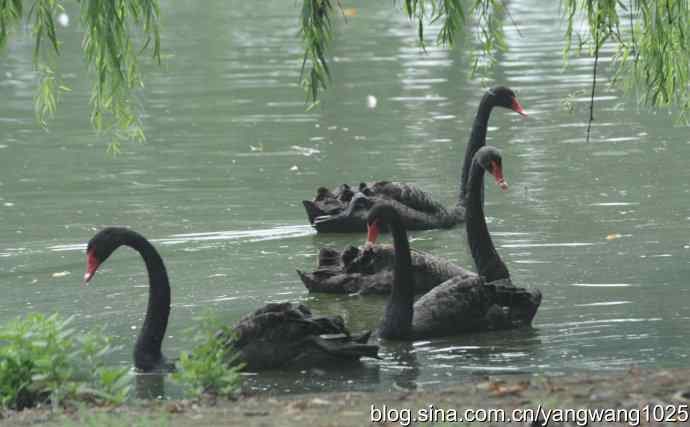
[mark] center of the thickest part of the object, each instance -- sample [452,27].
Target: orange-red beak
[517,107]
[497,172]
[372,232]
[92,264]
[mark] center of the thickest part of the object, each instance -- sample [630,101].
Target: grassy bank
[632,389]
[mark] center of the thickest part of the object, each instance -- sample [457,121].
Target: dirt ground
[666,392]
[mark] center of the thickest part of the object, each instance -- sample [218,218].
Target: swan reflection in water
[150,386]
[468,357]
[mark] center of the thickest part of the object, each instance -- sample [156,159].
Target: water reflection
[150,386]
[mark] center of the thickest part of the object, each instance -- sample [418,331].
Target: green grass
[43,360]
[209,367]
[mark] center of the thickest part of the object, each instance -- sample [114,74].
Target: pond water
[599,227]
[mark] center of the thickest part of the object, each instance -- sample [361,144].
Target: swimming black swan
[369,271]
[485,302]
[272,336]
[345,209]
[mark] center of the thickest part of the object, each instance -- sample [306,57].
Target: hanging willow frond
[110,52]
[10,15]
[662,62]
[316,33]
[489,15]
[653,53]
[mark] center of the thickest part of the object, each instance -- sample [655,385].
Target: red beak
[372,232]
[517,107]
[497,172]
[92,264]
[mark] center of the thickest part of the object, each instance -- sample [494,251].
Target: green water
[231,153]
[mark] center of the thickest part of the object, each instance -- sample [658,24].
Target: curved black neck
[397,318]
[486,259]
[477,141]
[147,351]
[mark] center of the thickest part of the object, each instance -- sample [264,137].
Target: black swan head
[379,217]
[489,158]
[101,246]
[501,96]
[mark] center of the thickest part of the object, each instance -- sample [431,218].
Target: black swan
[272,336]
[369,271]
[345,209]
[485,302]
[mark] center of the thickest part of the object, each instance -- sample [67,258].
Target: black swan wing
[278,334]
[370,271]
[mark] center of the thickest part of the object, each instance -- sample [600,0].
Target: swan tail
[312,209]
[522,303]
[327,202]
[362,338]
[308,280]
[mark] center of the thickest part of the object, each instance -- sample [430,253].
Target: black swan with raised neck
[460,305]
[345,209]
[272,336]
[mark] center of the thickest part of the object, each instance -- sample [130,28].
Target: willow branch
[594,80]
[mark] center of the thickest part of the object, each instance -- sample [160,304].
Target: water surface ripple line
[275,233]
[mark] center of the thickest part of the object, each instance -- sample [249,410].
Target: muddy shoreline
[633,389]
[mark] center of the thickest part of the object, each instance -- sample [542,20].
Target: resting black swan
[345,209]
[369,271]
[460,305]
[272,336]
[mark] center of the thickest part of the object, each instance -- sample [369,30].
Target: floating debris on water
[63,19]
[305,151]
[350,12]
[61,274]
